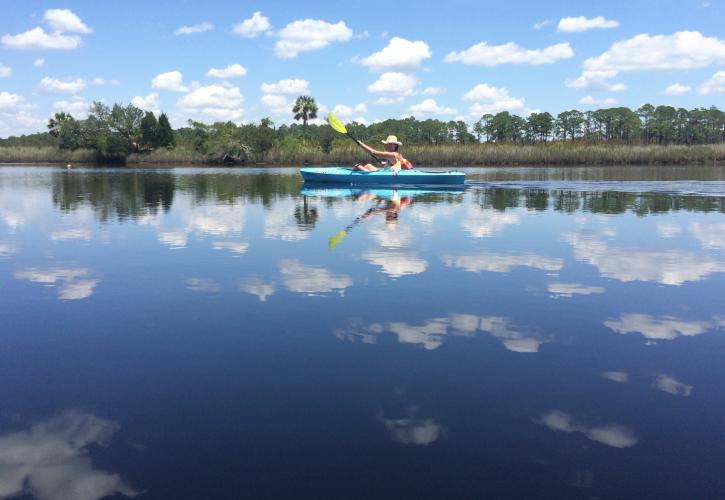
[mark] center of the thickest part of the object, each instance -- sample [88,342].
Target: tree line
[119,130]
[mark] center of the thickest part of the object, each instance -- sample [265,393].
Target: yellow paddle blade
[336,124]
[335,240]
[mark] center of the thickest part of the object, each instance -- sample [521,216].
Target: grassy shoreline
[555,154]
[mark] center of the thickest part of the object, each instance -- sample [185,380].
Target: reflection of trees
[126,195]
[231,186]
[305,215]
[609,202]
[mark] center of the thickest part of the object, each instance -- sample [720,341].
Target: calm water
[188,333]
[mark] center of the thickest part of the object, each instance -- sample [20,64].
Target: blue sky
[369,60]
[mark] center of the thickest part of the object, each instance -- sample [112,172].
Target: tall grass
[423,155]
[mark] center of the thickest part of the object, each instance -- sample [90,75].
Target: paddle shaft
[368,152]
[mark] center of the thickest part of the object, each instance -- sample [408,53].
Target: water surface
[225,333]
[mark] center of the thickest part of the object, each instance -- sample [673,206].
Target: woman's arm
[382,154]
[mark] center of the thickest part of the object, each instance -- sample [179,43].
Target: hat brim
[392,142]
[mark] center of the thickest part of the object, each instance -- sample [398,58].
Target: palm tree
[56,123]
[305,109]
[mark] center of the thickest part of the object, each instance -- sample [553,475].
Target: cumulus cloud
[591,101]
[76,106]
[256,286]
[411,430]
[502,263]
[669,267]
[571,289]
[677,89]
[65,21]
[680,51]
[385,101]
[431,107]
[231,71]
[194,28]
[616,436]
[52,460]
[671,385]
[202,285]
[149,102]
[396,264]
[277,104]
[309,280]
[489,99]
[714,84]
[293,86]
[658,327]
[400,54]
[395,83]
[54,86]
[5,71]
[62,22]
[710,234]
[252,27]
[596,80]
[236,247]
[581,23]
[75,283]
[619,377]
[542,23]
[170,80]
[483,54]
[39,63]
[9,100]
[309,34]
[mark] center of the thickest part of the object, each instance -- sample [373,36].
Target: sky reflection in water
[211,333]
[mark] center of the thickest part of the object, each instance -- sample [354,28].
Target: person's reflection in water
[389,207]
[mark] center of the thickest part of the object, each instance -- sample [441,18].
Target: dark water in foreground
[189,334]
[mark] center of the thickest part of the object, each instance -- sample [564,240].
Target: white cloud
[255,286]
[483,54]
[218,102]
[65,21]
[669,267]
[39,63]
[38,39]
[668,229]
[5,71]
[385,101]
[54,86]
[616,436]
[591,101]
[400,54]
[237,247]
[309,34]
[484,223]
[671,385]
[542,23]
[411,430]
[294,86]
[277,104]
[502,263]
[311,279]
[677,89]
[61,21]
[710,235]
[433,90]
[679,51]
[714,84]
[620,377]
[396,264]
[102,81]
[76,106]
[52,460]
[171,80]
[394,83]
[571,289]
[658,328]
[490,99]
[75,283]
[430,107]
[231,71]
[596,80]
[252,27]
[202,285]
[581,23]
[194,28]
[149,102]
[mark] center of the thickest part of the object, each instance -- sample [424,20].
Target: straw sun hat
[392,140]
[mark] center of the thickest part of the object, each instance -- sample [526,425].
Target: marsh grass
[423,155]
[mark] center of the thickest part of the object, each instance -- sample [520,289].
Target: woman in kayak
[393,159]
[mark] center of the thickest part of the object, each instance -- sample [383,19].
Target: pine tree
[150,130]
[166,133]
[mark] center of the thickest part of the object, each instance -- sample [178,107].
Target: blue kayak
[328,190]
[382,177]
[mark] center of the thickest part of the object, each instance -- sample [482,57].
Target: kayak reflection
[386,203]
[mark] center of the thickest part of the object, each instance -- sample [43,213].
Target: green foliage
[166,134]
[305,109]
[149,130]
